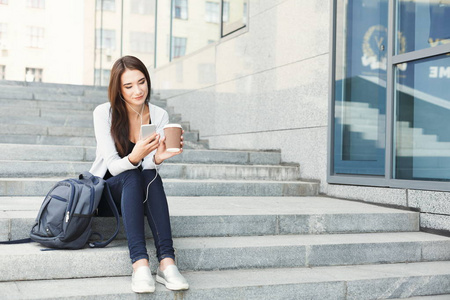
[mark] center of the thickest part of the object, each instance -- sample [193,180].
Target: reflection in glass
[422,24]
[162,37]
[36,3]
[106,5]
[143,7]
[360,87]
[193,33]
[107,39]
[212,12]
[35,37]
[234,15]
[123,28]
[139,30]
[422,149]
[178,46]
[180,9]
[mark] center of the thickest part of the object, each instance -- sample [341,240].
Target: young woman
[129,164]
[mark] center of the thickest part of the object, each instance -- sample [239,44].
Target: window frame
[38,4]
[224,32]
[210,14]
[173,18]
[36,72]
[388,179]
[109,7]
[35,37]
[182,5]
[2,72]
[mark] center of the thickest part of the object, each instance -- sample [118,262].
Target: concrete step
[45,95]
[68,98]
[49,113]
[74,153]
[48,139]
[229,157]
[180,187]
[237,216]
[70,89]
[16,94]
[49,130]
[435,297]
[159,102]
[47,104]
[17,168]
[67,136]
[219,253]
[54,120]
[25,152]
[197,145]
[331,283]
[64,127]
[175,118]
[21,103]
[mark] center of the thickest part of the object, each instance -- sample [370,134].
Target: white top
[107,157]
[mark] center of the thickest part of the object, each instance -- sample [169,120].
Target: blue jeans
[129,189]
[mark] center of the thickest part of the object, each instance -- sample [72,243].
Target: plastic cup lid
[173,125]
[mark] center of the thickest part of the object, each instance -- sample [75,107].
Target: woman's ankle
[164,263]
[140,263]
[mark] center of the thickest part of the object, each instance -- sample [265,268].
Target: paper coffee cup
[173,137]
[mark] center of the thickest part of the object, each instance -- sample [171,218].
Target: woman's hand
[161,154]
[143,148]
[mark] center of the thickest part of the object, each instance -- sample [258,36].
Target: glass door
[360,87]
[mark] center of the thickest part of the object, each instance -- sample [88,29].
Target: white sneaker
[172,278]
[142,280]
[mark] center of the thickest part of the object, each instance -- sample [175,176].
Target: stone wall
[266,87]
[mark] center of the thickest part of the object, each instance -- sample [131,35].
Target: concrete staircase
[237,235]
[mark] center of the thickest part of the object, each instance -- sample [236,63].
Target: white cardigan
[107,157]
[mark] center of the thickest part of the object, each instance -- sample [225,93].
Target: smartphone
[147,130]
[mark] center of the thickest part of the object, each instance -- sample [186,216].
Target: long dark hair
[120,125]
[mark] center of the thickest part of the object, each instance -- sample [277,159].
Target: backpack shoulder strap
[21,241]
[112,205]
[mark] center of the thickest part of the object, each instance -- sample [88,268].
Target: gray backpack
[65,218]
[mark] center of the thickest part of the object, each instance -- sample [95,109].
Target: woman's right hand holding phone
[143,148]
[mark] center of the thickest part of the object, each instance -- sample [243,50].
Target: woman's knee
[132,177]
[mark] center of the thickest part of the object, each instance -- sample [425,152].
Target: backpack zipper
[69,207]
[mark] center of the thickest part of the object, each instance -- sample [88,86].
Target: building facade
[356,92]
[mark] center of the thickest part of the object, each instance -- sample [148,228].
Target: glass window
[106,5]
[178,46]
[225,11]
[143,7]
[106,39]
[360,87]
[234,15]
[35,37]
[102,78]
[36,3]
[422,149]
[199,29]
[181,9]
[2,72]
[422,24]
[33,75]
[141,42]
[212,12]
